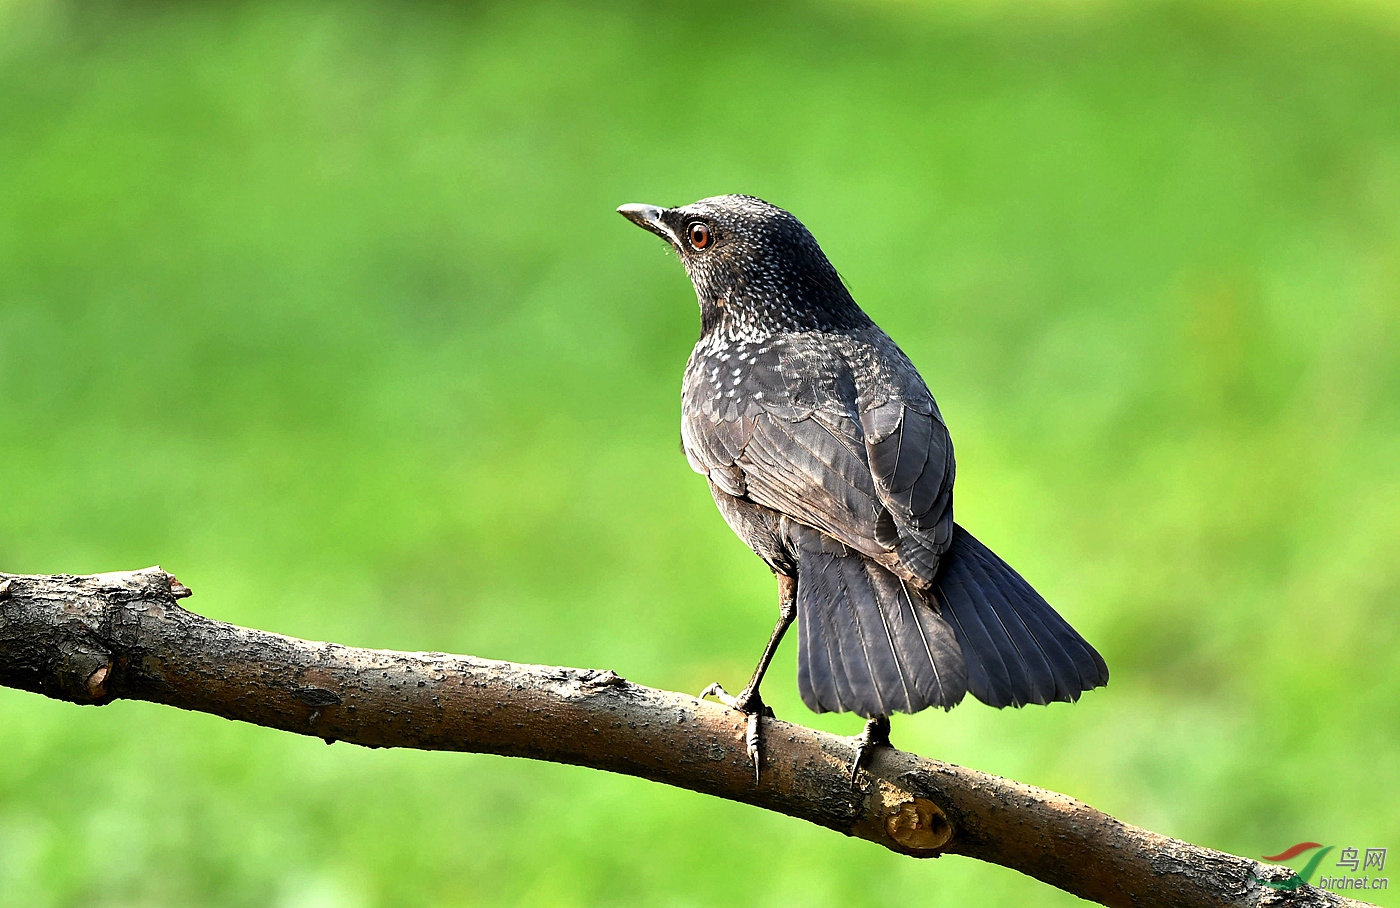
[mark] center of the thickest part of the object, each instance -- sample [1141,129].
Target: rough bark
[104,637]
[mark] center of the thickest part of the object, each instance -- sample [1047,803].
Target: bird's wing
[911,460]
[794,427]
[909,451]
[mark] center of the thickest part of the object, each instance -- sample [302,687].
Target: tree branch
[115,636]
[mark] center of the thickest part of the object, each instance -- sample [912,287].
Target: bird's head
[754,266]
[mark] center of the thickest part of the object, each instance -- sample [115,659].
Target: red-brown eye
[699,235]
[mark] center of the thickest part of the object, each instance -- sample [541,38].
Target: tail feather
[1017,648]
[1077,667]
[1082,668]
[867,643]
[867,654]
[989,677]
[1028,652]
[816,670]
[826,663]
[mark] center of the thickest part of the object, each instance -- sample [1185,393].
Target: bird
[827,455]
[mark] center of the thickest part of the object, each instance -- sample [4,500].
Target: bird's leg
[875,734]
[749,701]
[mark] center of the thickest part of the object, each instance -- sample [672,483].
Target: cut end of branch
[920,826]
[157,574]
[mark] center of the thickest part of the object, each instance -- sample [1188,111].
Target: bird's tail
[1017,648]
[867,641]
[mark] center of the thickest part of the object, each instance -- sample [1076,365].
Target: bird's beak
[647,217]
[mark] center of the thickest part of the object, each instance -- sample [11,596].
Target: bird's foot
[875,734]
[751,705]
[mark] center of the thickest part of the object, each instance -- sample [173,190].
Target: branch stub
[919,825]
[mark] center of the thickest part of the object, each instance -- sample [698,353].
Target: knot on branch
[59,630]
[81,666]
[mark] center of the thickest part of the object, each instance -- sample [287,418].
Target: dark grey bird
[827,455]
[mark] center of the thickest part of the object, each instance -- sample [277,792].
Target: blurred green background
[324,307]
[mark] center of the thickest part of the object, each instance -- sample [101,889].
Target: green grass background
[324,307]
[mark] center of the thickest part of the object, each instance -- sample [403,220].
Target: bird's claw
[752,706]
[751,745]
[875,734]
[719,693]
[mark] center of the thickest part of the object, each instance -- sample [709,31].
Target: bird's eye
[699,235]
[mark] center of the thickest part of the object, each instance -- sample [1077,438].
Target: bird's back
[835,429]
